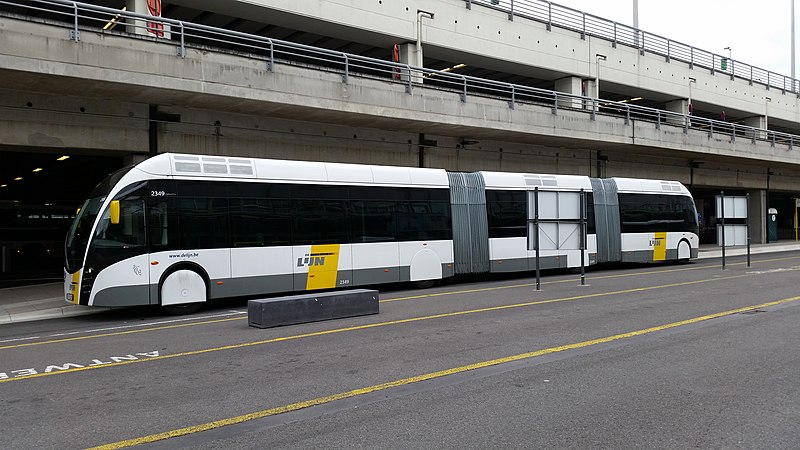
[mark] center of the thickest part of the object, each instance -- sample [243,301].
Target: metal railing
[76,16]
[585,24]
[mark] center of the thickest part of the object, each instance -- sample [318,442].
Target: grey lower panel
[526,264]
[241,287]
[270,284]
[695,252]
[123,296]
[646,256]
[376,276]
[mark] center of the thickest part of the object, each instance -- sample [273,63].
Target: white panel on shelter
[548,234]
[734,235]
[735,207]
[569,205]
[548,205]
[569,236]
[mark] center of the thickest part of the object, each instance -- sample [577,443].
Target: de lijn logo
[313,259]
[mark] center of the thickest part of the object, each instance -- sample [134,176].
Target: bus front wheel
[183,291]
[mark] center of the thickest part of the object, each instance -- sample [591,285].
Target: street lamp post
[767,100]
[689,107]
[599,58]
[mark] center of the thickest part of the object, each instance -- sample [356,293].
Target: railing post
[731,61]
[658,119]
[641,44]
[773,139]
[409,87]
[614,42]
[271,63]
[691,57]
[182,48]
[75,34]
[511,13]
[469,4]
[464,91]
[513,97]
[549,16]
[346,76]
[583,32]
[710,129]
[627,114]
[668,48]
[751,75]
[594,109]
[555,103]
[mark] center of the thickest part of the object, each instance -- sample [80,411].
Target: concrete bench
[311,307]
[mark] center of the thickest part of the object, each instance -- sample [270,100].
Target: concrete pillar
[758,216]
[144,27]
[129,160]
[677,106]
[757,122]
[572,86]
[409,55]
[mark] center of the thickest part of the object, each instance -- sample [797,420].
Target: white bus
[180,230]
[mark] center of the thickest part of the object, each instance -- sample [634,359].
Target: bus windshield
[80,231]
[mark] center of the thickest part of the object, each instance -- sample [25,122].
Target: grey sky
[757,32]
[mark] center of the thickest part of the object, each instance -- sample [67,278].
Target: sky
[759,33]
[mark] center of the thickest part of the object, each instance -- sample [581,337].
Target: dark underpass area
[39,196]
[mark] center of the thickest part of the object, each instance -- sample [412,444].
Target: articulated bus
[179,230]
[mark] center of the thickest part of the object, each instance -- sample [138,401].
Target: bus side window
[160,217]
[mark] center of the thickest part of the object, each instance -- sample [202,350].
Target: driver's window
[129,232]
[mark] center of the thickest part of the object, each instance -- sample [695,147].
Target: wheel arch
[185,265]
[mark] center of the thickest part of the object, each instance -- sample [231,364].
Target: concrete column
[143,27]
[757,122]
[409,55]
[572,86]
[129,160]
[677,106]
[758,216]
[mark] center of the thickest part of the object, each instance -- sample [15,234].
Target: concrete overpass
[127,95]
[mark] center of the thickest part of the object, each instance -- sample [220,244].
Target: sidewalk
[46,301]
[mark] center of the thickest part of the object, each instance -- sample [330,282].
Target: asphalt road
[662,356]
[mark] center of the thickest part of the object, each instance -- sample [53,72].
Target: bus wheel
[424,284]
[183,291]
[684,252]
[180,310]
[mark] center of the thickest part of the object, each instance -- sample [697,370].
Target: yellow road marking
[420,378]
[370,326]
[414,297]
[572,280]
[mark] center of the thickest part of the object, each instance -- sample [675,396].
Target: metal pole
[583,237]
[722,213]
[636,23]
[536,235]
[747,222]
[793,56]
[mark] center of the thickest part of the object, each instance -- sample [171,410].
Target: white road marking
[123,327]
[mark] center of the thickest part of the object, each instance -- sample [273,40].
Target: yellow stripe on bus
[323,266]
[73,286]
[660,247]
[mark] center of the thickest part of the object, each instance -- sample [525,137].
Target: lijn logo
[313,259]
[656,242]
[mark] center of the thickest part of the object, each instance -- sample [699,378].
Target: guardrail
[76,16]
[565,17]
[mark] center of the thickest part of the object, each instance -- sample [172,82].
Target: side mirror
[114,211]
